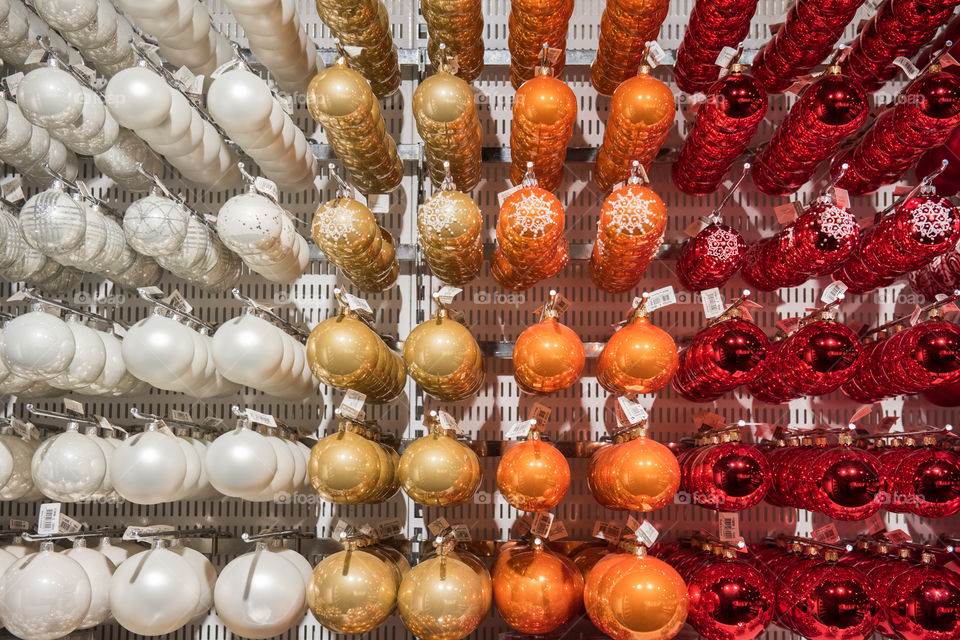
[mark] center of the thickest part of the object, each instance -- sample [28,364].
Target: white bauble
[250,223]
[20,481]
[99,570]
[6,559]
[155,225]
[299,465]
[99,31]
[206,576]
[89,358]
[240,101]
[248,349]
[259,595]
[7,465]
[68,467]
[240,462]
[67,15]
[159,350]
[44,596]
[191,477]
[138,98]
[50,97]
[37,345]
[281,486]
[52,222]
[148,468]
[119,551]
[154,592]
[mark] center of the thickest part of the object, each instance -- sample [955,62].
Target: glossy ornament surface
[547,357]
[533,475]
[352,591]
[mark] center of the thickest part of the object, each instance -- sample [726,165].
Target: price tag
[12,189]
[827,533]
[906,66]
[797,87]
[657,54]
[503,195]
[446,294]
[647,533]
[150,291]
[787,213]
[25,430]
[118,330]
[887,423]
[13,82]
[519,429]
[286,103]
[19,525]
[522,525]
[661,298]
[341,529]
[841,198]
[266,187]
[69,525]
[553,55]
[461,533]
[541,414]
[367,529]
[185,77]
[875,524]
[357,304]
[352,50]
[181,416]
[712,301]
[948,307]
[860,413]
[138,533]
[48,520]
[390,528]
[558,531]
[212,421]
[165,430]
[86,72]
[438,526]
[606,531]
[695,227]
[448,422]
[17,296]
[72,406]
[630,412]
[897,536]
[915,316]
[560,303]
[708,418]
[725,56]
[833,292]
[352,404]
[947,60]
[728,526]
[542,520]
[178,302]
[788,324]
[262,418]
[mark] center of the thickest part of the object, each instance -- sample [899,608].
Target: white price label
[48,520]
[461,533]
[262,418]
[178,302]
[542,520]
[25,430]
[118,330]
[19,525]
[212,421]
[558,531]
[69,525]
[357,304]
[185,77]
[139,533]
[725,56]
[712,301]
[657,54]
[12,189]
[606,531]
[447,293]
[367,529]
[728,526]
[833,292]
[907,66]
[519,429]
[266,187]
[660,298]
[630,412]
[352,50]
[341,529]
[647,533]
[560,303]
[827,533]
[352,404]
[150,291]
[13,81]
[841,197]
[390,528]
[438,526]
[503,195]
[72,406]
[448,422]
[181,416]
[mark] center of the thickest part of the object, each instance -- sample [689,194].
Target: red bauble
[730,476]
[729,600]
[947,395]
[929,481]
[834,601]
[711,257]
[844,483]
[721,358]
[818,358]
[923,603]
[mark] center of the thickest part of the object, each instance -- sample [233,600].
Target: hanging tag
[150,50]
[787,213]
[366,529]
[447,293]
[860,413]
[712,301]
[947,60]
[887,423]
[897,536]
[341,529]
[709,419]
[503,195]
[150,291]
[352,50]
[265,419]
[827,533]
[178,302]
[358,305]
[180,416]
[521,526]
[461,533]
[541,524]
[448,422]
[184,77]
[389,528]
[787,325]
[558,531]
[17,296]
[797,87]
[48,520]
[948,307]
[72,406]
[165,430]
[26,430]
[657,54]
[833,292]
[908,68]
[841,197]
[118,330]
[560,303]
[13,81]
[12,189]
[352,404]
[69,525]
[629,412]
[661,298]
[901,190]
[211,421]
[875,524]
[19,525]
[725,56]
[138,533]
[606,531]
[266,187]
[647,533]
[89,74]
[553,55]
[915,316]
[728,526]
[438,526]
[519,429]
[541,414]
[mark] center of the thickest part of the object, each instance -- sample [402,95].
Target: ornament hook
[715,214]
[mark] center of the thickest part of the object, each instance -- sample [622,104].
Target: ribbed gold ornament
[458,24]
[365,24]
[444,358]
[351,467]
[341,100]
[448,226]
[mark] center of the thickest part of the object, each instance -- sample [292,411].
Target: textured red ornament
[720,358]
[828,110]
[940,275]
[713,25]
[844,483]
[923,603]
[929,481]
[946,395]
[711,257]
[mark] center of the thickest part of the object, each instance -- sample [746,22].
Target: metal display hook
[146,295]
[714,215]
[156,419]
[262,310]
[34,296]
[95,533]
[932,307]
[71,420]
[243,415]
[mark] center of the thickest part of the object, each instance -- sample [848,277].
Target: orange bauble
[638,358]
[547,357]
[544,112]
[533,475]
[587,555]
[530,242]
[535,589]
[639,474]
[632,596]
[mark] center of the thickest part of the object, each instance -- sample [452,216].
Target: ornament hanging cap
[447,184]
[544,69]
[529,178]
[644,69]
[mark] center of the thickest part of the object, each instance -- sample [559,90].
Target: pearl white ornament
[6,462]
[53,222]
[99,570]
[148,468]
[67,15]
[248,350]
[50,97]
[44,595]
[138,98]
[259,595]
[240,462]
[89,358]
[154,592]
[281,486]
[191,478]
[20,481]
[6,559]
[206,576]
[37,345]
[119,551]
[68,467]
[240,101]
[155,225]
[159,350]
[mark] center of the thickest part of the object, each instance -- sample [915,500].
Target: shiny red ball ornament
[713,25]
[929,481]
[729,600]
[923,603]
[833,601]
[711,257]
[945,395]
[728,476]
[844,483]
[721,358]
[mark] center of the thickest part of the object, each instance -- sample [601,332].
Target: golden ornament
[448,227]
[352,591]
[439,470]
[455,28]
[349,468]
[444,358]
[442,598]
[365,24]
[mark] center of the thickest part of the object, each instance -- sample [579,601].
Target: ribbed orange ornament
[635,474]
[532,24]
[625,28]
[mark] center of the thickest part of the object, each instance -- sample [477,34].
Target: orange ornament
[638,358]
[533,475]
[587,555]
[548,356]
[641,114]
[633,596]
[532,25]
[535,589]
[625,28]
[635,473]
[629,234]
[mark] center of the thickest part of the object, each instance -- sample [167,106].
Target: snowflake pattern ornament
[448,228]
[629,233]
[711,257]
[530,239]
[837,222]
[724,244]
[928,219]
[630,210]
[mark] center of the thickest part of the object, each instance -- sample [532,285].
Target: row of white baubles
[40,352]
[95,28]
[49,594]
[19,262]
[28,147]
[151,467]
[19,30]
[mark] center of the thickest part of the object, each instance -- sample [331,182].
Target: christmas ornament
[448,229]
[634,473]
[710,258]
[830,598]
[446,113]
[728,476]
[535,589]
[443,357]
[922,602]
[730,599]
[364,24]
[342,102]
[548,356]
[530,242]
[927,481]
[625,28]
[544,112]
[533,475]
[534,24]
[352,591]
[944,395]
[843,482]
[458,26]
[629,234]
[940,275]
[345,353]
[633,596]
[725,124]
[638,358]
[351,467]
[804,39]
[641,114]
[587,555]
[437,469]
[713,25]
[827,111]
[948,182]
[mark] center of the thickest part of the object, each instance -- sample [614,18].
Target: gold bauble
[486,582]
[533,475]
[441,599]
[438,470]
[638,358]
[336,92]
[394,559]
[444,358]
[352,591]
[547,357]
[345,468]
